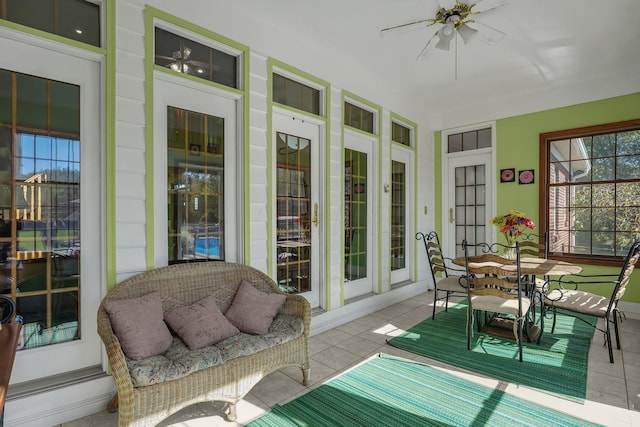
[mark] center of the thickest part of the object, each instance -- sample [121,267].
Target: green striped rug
[557,365]
[390,391]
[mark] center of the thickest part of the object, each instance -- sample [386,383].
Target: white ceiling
[555,53]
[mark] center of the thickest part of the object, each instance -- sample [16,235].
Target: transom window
[359,118]
[401,134]
[75,19]
[190,57]
[295,94]
[470,140]
[591,191]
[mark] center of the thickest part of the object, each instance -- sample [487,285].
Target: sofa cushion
[179,361]
[284,328]
[200,324]
[138,324]
[252,311]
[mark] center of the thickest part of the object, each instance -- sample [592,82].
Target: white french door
[196,218]
[358,221]
[54,259]
[297,205]
[467,201]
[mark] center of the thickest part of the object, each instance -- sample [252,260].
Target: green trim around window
[272,64]
[151,14]
[414,147]
[346,95]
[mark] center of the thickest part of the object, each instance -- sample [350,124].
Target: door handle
[315,215]
[451,217]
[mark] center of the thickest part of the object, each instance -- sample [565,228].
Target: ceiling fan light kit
[455,18]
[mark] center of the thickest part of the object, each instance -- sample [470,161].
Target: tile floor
[613,390]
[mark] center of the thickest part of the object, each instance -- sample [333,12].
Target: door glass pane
[470,204]
[398,215]
[355,216]
[293,212]
[40,207]
[196,185]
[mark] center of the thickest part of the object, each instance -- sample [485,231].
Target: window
[359,118]
[195,197]
[470,140]
[189,57]
[401,134]
[398,215]
[75,19]
[356,215]
[40,204]
[295,94]
[591,187]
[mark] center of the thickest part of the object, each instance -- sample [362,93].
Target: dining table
[529,267]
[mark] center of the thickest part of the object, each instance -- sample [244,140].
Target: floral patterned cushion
[179,361]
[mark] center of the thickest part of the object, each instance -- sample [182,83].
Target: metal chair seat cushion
[496,304]
[578,301]
[452,284]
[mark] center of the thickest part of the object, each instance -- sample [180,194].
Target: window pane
[471,140]
[295,94]
[628,143]
[186,56]
[400,134]
[628,167]
[358,117]
[455,143]
[196,181]
[75,19]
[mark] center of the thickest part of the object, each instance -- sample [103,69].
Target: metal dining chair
[451,281]
[495,292]
[569,299]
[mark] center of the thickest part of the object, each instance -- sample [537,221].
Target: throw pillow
[252,311]
[138,324]
[200,324]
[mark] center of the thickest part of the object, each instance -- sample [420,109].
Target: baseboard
[630,309]
[362,307]
[49,409]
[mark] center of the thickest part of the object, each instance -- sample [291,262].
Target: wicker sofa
[228,379]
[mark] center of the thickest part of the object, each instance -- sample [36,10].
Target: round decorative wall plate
[526,177]
[507,175]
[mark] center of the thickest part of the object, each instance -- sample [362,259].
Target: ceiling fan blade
[407,26]
[428,48]
[168,58]
[447,4]
[484,5]
[488,34]
[200,64]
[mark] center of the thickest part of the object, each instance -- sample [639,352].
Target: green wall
[517,146]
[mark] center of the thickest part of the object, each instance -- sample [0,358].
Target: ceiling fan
[181,62]
[454,18]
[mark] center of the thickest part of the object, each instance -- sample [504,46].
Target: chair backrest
[434,253]
[536,245]
[627,268]
[496,280]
